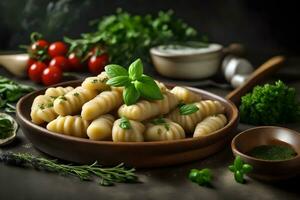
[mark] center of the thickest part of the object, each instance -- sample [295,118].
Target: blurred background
[265,29]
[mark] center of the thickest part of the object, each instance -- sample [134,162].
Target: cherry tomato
[57,49]
[30,62]
[97,63]
[61,62]
[75,62]
[39,44]
[35,71]
[52,75]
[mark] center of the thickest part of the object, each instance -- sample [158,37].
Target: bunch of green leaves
[239,168]
[135,83]
[128,36]
[11,92]
[107,176]
[203,177]
[270,104]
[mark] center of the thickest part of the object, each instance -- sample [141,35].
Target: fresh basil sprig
[125,123]
[187,109]
[135,82]
[239,168]
[6,127]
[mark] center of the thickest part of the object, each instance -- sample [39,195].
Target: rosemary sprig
[107,176]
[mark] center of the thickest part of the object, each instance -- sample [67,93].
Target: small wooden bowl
[135,154]
[268,170]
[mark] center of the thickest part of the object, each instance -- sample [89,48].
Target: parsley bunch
[128,36]
[270,104]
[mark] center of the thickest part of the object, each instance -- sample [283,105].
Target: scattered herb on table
[11,92]
[108,176]
[203,177]
[239,169]
[270,104]
[135,82]
[128,36]
[272,152]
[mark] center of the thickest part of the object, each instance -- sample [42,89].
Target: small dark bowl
[136,154]
[268,170]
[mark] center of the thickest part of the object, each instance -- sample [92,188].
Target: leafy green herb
[95,81]
[6,127]
[270,104]
[115,70]
[108,176]
[129,36]
[135,70]
[11,92]
[118,81]
[125,123]
[148,88]
[239,168]
[76,94]
[202,177]
[187,109]
[135,82]
[161,121]
[63,98]
[130,95]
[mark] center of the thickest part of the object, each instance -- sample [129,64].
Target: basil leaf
[188,109]
[125,123]
[130,95]
[148,88]
[135,70]
[115,70]
[118,81]
[161,121]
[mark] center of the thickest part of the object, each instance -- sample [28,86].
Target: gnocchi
[209,125]
[167,130]
[101,128]
[205,108]
[90,111]
[134,133]
[101,104]
[69,125]
[72,102]
[143,109]
[185,95]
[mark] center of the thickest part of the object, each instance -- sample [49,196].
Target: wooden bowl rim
[261,128]
[21,116]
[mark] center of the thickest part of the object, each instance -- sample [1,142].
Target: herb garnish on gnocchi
[122,105]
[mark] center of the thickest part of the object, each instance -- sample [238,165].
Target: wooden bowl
[135,154]
[268,170]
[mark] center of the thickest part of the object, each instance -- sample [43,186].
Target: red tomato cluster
[48,62]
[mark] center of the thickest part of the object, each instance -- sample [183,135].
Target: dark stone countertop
[159,183]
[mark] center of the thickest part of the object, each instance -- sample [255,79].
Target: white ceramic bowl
[189,64]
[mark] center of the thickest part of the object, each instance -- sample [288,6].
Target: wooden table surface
[160,183]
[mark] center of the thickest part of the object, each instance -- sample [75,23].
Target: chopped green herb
[76,94]
[161,121]
[49,105]
[41,106]
[95,81]
[63,98]
[188,109]
[125,123]
[272,152]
